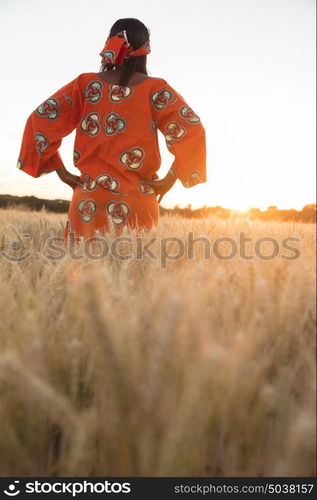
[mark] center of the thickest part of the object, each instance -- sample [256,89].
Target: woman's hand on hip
[162,186]
[69,179]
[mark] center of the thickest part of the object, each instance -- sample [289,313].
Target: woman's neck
[113,76]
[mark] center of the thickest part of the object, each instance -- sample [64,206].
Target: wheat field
[113,367]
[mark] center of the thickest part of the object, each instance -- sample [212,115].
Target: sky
[246,67]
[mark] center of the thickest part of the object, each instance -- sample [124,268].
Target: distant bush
[34,203]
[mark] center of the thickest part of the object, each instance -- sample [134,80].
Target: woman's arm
[184,135]
[45,128]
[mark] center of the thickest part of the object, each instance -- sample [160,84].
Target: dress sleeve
[184,134]
[52,120]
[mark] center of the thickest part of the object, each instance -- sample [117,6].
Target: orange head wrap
[117,49]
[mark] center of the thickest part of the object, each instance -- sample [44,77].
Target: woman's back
[117,130]
[116,145]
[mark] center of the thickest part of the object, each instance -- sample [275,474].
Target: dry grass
[120,368]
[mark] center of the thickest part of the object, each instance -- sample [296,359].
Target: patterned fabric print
[19,163]
[162,98]
[153,126]
[104,180]
[114,124]
[76,156]
[188,114]
[93,91]
[87,210]
[68,99]
[108,56]
[91,124]
[41,142]
[193,178]
[118,93]
[117,48]
[133,158]
[174,132]
[145,189]
[118,211]
[142,51]
[48,109]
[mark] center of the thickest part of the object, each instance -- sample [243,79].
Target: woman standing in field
[116,113]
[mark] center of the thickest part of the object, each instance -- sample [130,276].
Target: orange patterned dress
[116,148]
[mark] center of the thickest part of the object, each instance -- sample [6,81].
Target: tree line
[306,214]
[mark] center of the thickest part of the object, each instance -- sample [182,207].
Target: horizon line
[176,205]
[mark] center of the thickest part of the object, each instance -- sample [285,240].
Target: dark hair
[137,34]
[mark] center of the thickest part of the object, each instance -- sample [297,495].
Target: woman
[116,113]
